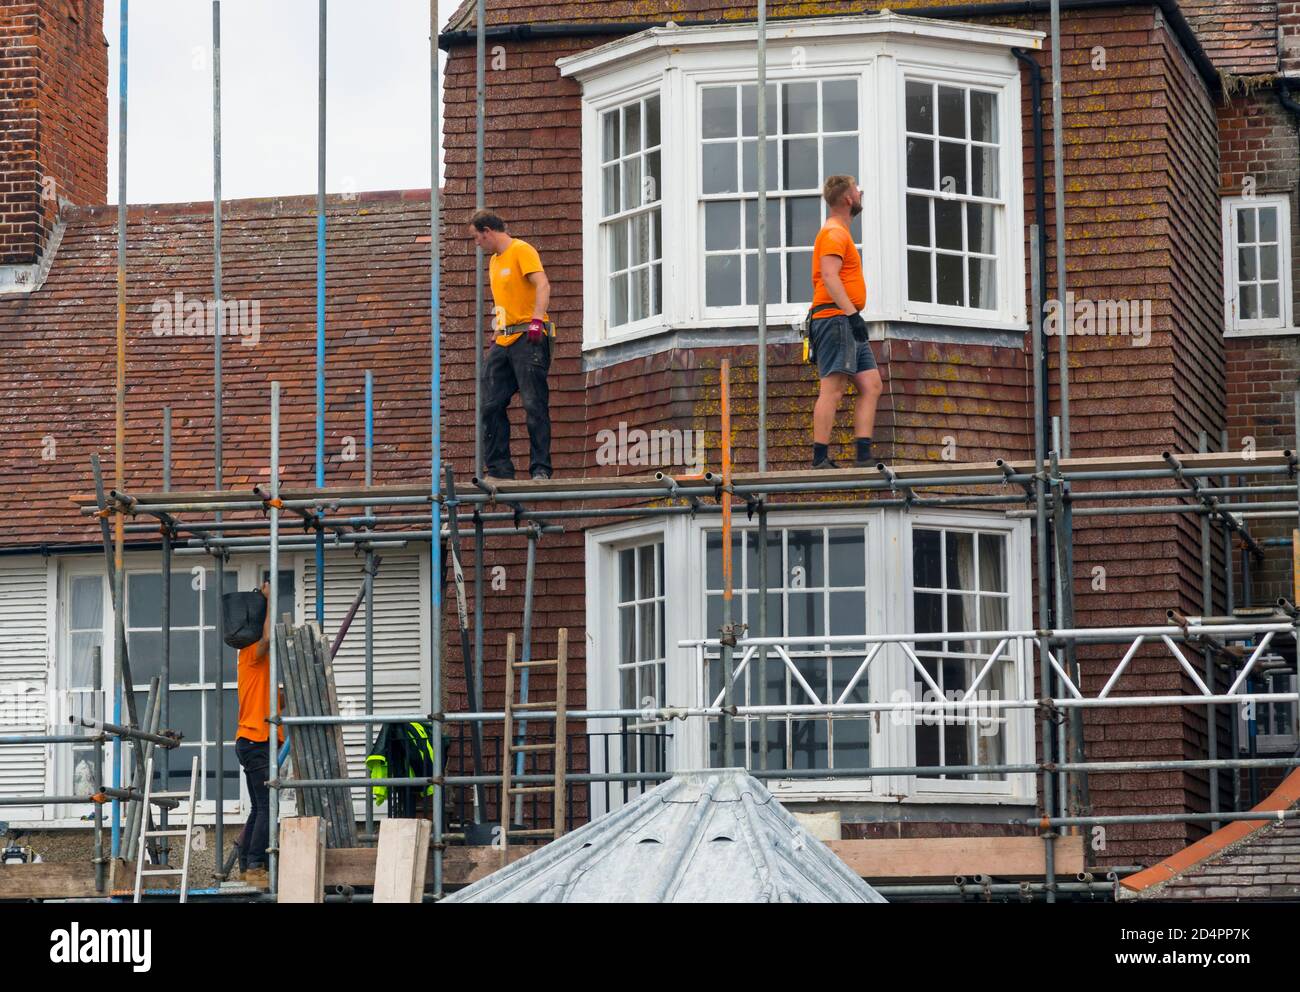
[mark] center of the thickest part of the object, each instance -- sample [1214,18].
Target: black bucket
[243,616]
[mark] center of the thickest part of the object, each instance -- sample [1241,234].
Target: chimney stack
[53,125]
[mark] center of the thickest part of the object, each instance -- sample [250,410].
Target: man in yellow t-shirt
[520,357]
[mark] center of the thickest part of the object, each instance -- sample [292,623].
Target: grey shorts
[836,349]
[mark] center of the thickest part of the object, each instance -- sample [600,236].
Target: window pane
[952,167]
[611,190]
[618,300]
[1268,223]
[631,128]
[847,557]
[1246,224]
[960,553]
[805,554]
[645,632]
[144,599]
[1249,303]
[640,239]
[840,105]
[773,279]
[1268,262]
[230,772]
[719,112]
[626,575]
[749,111]
[773,223]
[841,155]
[87,597]
[652,181]
[983,283]
[185,597]
[951,281]
[799,164]
[928,615]
[920,163]
[722,281]
[952,112]
[947,224]
[799,108]
[983,116]
[639,299]
[1247,267]
[750,154]
[719,168]
[145,650]
[81,653]
[848,612]
[799,276]
[979,228]
[918,221]
[609,136]
[984,172]
[808,743]
[993,576]
[925,558]
[652,122]
[1269,301]
[918,277]
[721,225]
[184,662]
[920,107]
[627,634]
[851,743]
[632,184]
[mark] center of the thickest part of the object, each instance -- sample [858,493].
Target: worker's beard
[855,209]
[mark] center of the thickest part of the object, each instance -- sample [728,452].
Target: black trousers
[257,831]
[518,368]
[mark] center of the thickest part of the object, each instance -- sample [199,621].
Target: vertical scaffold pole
[728,628]
[164,687]
[217,429]
[479,202]
[761,109]
[435,438]
[273,608]
[320,309]
[370,586]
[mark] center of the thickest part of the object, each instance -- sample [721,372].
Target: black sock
[820,452]
[864,449]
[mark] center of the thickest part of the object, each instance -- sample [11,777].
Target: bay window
[926,114]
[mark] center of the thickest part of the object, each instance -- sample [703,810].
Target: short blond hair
[835,187]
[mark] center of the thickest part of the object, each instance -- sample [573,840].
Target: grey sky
[378,97]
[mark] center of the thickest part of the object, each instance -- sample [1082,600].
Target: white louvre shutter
[401,640]
[23,680]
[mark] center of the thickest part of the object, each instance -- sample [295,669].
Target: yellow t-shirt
[512,293]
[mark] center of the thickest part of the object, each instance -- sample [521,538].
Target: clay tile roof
[57,352]
[1239,36]
[1246,860]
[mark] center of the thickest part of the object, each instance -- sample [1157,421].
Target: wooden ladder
[509,748]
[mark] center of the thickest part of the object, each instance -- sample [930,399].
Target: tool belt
[809,350]
[523,327]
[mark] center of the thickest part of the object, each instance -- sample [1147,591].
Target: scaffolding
[1222,490]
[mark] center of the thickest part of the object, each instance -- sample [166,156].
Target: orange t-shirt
[834,239]
[254,677]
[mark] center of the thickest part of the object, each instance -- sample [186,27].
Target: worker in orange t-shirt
[836,330]
[254,676]
[520,357]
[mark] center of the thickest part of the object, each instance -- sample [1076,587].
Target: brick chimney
[53,125]
[1288,37]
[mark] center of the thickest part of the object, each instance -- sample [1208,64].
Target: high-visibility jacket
[401,750]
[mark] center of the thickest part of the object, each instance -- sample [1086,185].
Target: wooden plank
[335,731]
[947,857]
[302,859]
[48,881]
[401,862]
[355,866]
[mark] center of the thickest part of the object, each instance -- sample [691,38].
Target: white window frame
[890,610]
[881,51]
[1284,323]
